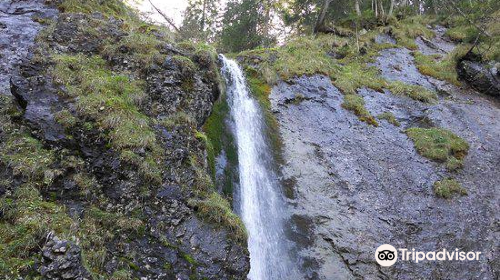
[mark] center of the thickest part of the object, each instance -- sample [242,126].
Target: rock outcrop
[122,153]
[483,77]
[62,260]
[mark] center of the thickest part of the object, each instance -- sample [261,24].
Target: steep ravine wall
[104,171]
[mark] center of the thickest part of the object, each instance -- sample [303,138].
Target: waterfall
[261,204]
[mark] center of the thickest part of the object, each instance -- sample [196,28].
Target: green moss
[122,274]
[415,92]
[408,29]
[143,48]
[26,220]
[111,102]
[210,152]
[65,118]
[440,68]
[389,117]
[178,119]
[217,209]
[221,139]
[214,127]
[355,103]
[85,182]
[111,8]
[26,156]
[311,55]
[97,230]
[185,64]
[440,145]
[448,187]
[261,90]
[189,259]
[355,75]
[465,33]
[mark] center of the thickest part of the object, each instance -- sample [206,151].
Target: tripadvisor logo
[387,255]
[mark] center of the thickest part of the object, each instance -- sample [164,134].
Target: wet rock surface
[17,33]
[357,186]
[397,64]
[438,45]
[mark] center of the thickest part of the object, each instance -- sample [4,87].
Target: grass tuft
[415,92]
[112,102]
[355,103]
[217,209]
[448,187]
[440,145]
[389,117]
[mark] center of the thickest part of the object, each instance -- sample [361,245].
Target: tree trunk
[356,6]
[203,16]
[320,22]
[382,11]
[391,8]
[267,22]
[375,4]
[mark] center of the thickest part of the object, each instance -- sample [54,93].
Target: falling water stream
[261,202]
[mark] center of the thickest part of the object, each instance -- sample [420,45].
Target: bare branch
[169,20]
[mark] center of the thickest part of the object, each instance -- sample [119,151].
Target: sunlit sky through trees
[172,8]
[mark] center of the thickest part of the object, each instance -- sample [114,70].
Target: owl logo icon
[386,255]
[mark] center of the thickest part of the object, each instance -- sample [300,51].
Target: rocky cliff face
[103,169]
[357,186]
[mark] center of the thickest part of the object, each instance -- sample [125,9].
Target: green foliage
[243,26]
[178,119]
[186,65]
[261,90]
[355,75]
[415,92]
[389,117]
[26,219]
[85,182]
[143,48]
[442,68]
[406,30]
[217,209]
[448,187]
[305,56]
[200,20]
[111,101]
[465,34]
[440,145]
[122,274]
[65,118]
[111,8]
[355,103]
[26,156]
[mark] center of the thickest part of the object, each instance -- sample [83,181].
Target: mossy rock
[448,187]
[439,145]
[356,103]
